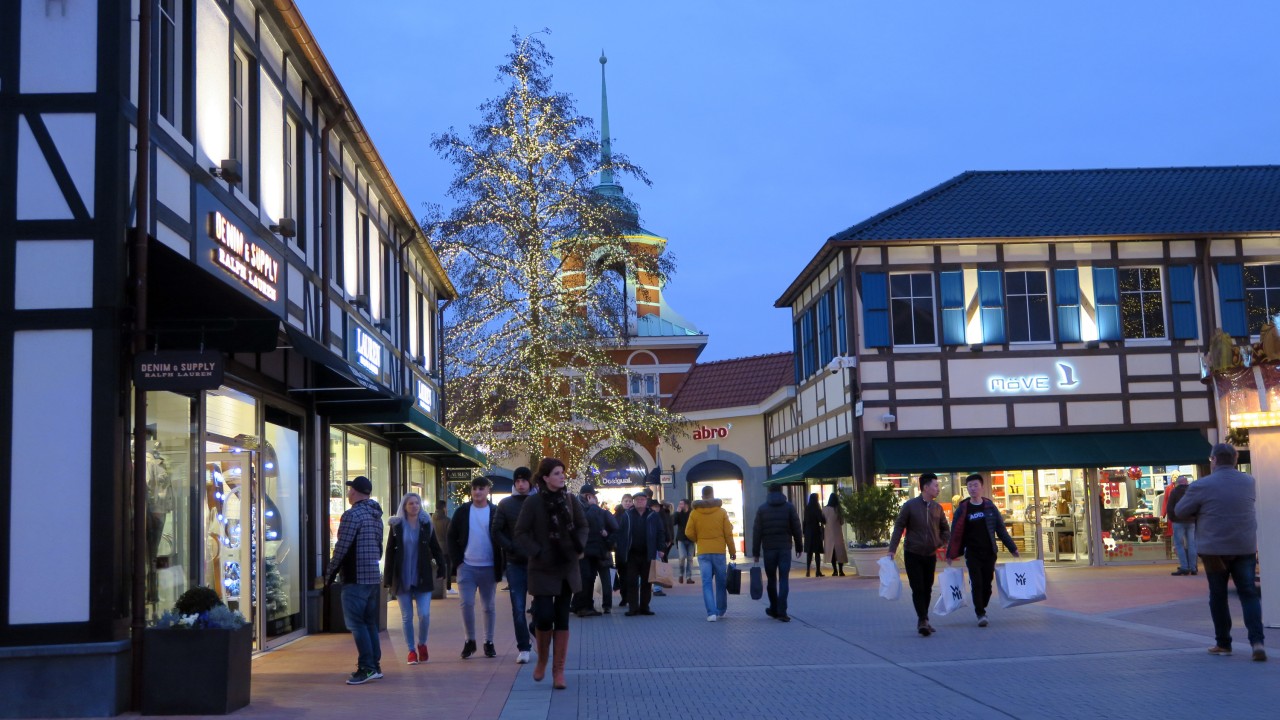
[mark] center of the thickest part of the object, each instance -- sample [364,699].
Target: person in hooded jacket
[517,570]
[710,529]
[813,534]
[776,529]
[552,533]
[411,548]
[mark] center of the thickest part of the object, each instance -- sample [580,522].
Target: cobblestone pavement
[1113,642]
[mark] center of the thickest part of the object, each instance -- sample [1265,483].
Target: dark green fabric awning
[1030,452]
[832,462]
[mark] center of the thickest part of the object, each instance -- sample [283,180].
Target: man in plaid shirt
[356,556]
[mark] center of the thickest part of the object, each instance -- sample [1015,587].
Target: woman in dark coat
[411,546]
[813,532]
[552,532]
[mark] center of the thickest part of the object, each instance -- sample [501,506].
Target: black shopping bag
[734,581]
[757,583]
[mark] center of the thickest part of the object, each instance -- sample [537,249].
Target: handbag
[757,583]
[890,580]
[951,598]
[733,580]
[660,573]
[1020,583]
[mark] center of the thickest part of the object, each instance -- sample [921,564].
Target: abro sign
[712,433]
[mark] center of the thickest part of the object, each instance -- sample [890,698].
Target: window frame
[1142,294]
[1023,301]
[912,300]
[1268,292]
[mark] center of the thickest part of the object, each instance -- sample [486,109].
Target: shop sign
[457,475]
[365,351]
[666,478]
[426,396]
[1002,377]
[231,251]
[179,370]
[712,433]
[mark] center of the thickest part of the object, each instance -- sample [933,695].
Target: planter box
[196,672]
[865,560]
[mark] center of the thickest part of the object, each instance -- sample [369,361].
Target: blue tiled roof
[1073,203]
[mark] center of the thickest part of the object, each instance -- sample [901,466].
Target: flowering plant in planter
[870,511]
[196,658]
[198,608]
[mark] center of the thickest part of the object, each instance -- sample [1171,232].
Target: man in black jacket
[776,530]
[640,538]
[504,531]
[595,558]
[479,561]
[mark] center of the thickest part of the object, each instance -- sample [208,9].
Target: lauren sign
[1021,377]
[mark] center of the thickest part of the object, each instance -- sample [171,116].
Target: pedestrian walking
[975,525]
[1184,531]
[355,557]
[640,537]
[776,529]
[552,533]
[595,557]
[813,534]
[1223,504]
[925,524]
[833,538]
[625,503]
[517,569]
[667,525]
[683,543]
[712,532]
[410,573]
[479,560]
[441,522]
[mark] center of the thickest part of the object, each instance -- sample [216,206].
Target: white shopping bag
[890,581]
[951,587]
[1020,583]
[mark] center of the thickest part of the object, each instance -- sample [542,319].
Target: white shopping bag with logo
[1020,583]
[890,580]
[951,588]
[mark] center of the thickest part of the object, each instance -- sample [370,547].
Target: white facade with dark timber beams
[292,329]
[1042,328]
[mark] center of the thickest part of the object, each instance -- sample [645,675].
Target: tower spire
[606,150]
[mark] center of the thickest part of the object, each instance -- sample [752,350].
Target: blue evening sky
[766,127]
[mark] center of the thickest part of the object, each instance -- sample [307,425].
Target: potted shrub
[196,658]
[869,511]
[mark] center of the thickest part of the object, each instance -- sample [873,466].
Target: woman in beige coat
[552,532]
[834,539]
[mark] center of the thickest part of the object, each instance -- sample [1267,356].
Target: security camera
[841,362]
[834,366]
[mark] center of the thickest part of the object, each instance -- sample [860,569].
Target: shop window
[644,385]
[295,177]
[282,528]
[911,309]
[350,456]
[1141,303]
[1261,296]
[244,115]
[170,497]
[1027,298]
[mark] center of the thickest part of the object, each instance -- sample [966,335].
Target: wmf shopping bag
[951,588]
[1020,583]
[890,580]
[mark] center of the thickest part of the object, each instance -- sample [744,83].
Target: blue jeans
[471,579]
[1184,544]
[777,571]
[407,600]
[713,567]
[686,559]
[1242,571]
[360,613]
[518,583]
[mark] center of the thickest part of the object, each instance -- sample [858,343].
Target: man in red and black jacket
[974,527]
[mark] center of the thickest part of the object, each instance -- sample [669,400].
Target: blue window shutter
[1106,297]
[798,351]
[842,337]
[875,309]
[991,301]
[1066,287]
[1182,301]
[826,349]
[808,329]
[1231,299]
[951,292]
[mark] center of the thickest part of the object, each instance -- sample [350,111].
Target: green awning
[832,462]
[1031,452]
[412,430]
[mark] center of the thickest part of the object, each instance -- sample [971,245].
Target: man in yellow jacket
[710,530]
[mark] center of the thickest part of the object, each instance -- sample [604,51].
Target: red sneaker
[422,653]
[413,658]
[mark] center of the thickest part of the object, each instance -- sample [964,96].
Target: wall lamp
[228,170]
[888,419]
[285,227]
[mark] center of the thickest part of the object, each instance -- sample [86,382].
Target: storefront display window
[170,496]
[351,456]
[1131,504]
[282,530]
[421,477]
[231,498]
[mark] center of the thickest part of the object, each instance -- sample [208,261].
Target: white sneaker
[711,618]
[523,657]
